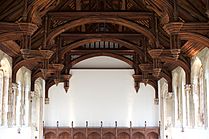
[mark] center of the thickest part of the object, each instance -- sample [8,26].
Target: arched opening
[138,135]
[152,135]
[50,135]
[108,136]
[113,93]
[123,135]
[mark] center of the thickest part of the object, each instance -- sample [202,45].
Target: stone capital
[46,100]
[156,101]
[188,87]
[169,95]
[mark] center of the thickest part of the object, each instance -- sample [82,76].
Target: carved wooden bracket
[160,53]
[52,69]
[144,78]
[66,79]
[36,54]
[137,80]
[29,28]
[176,27]
[24,28]
[155,69]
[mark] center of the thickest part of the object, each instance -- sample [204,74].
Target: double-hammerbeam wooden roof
[152,36]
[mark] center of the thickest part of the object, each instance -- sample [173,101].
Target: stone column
[169,114]
[10,105]
[5,100]
[162,115]
[31,114]
[14,111]
[1,95]
[18,105]
[41,118]
[22,106]
[27,106]
[189,105]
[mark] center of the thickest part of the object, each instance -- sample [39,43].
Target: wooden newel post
[116,130]
[57,128]
[101,134]
[57,124]
[86,129]
[130,129]
[72,130]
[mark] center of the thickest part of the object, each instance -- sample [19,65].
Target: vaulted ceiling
[153,36]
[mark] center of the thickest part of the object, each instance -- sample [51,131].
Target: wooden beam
[62,15]
[101,35]
[120,52]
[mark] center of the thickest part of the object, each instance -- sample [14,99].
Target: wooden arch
[154,85]
[126,60]
[26,63]
[169,80]
[85,41]
[99,19]
[194,37]
[185,67]
[10,36]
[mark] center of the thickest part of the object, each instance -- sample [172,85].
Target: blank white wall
[101,95]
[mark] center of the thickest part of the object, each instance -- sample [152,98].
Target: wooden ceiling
[152,36]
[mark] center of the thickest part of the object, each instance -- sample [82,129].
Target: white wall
[106,95]
[12,133]
[189,134]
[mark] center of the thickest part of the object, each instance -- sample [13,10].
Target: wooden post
[57,129]
[72,130]
[116,130]
[86,129]
[101,133]
[131,130]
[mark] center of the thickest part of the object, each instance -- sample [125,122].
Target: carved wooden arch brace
[153,83]
[49,83]
[82,42]
[166,8]
[189,31]
[22,63]
[102,54]
[10,36]
[184,65]
[33,79]
[99,19]
[169,80]
[194,37]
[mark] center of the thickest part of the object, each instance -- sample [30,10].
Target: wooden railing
[101,132]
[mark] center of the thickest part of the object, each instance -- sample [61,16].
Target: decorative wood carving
[72,31]
[101,133]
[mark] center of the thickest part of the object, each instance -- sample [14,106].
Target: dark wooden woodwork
[152,36]
[101,133]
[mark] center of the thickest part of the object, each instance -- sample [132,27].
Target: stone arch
[6,67]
